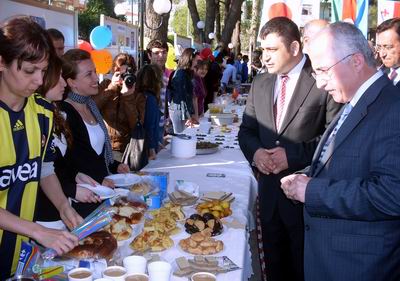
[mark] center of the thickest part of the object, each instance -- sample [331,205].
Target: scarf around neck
[108,158]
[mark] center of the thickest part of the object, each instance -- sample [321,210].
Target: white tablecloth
[238,179]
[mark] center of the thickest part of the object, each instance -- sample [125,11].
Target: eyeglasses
[386,48]
[323,73]
[157,53]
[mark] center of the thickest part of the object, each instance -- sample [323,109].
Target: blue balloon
[100,37]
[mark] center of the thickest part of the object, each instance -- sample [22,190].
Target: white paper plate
[103,191]
[124,180]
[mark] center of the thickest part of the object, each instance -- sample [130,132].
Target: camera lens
[129,77]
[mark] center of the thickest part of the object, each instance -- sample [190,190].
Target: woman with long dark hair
[149,83]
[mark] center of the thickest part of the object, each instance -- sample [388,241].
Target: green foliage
[372,15]
[90,18]
[179,21]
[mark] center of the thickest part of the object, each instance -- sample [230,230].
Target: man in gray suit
[351,193]
[284,116]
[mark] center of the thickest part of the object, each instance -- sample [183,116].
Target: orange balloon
[279,10]
[102,59]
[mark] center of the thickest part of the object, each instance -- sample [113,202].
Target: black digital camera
[129,77]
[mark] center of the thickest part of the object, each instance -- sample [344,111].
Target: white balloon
[211,35]
[162,6]
[200,24]
[230,46]
[120,9]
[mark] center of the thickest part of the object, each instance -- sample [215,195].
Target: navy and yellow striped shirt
[25,142]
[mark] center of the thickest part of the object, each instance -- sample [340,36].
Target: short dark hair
[155,43]
[283,27]
[393,23]
[124,59]
[70,61]
[24,40]
[55,34]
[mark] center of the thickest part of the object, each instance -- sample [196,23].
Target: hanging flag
[299,11]
[281,8]
[354,11]
[388,9]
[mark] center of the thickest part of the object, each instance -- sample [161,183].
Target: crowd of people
[324,103]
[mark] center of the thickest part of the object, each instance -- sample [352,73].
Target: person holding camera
[119,105]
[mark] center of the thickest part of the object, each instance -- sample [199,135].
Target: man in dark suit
[351,193]
[388,47]
[284,116]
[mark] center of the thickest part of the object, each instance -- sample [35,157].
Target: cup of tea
[203,276]
[80,274]
[137,277]
[159,271]
[135,264]
[115,273]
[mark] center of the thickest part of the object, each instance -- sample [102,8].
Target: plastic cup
[137,277]
[159,271]
[203,276]
[80,274]
[135,264]
[115,273]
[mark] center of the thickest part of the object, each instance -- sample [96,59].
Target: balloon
[84,45]
[100,37]
[102,59]
[171,64]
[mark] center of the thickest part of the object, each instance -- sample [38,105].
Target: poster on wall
[124,36]
[181,43]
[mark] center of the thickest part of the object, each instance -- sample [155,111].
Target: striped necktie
[347,109]
[393,75]
[280,102]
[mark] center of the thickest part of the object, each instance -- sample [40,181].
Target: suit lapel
[303,87]
[317,153]
[356,115]
[268,101]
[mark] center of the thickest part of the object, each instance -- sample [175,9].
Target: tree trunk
[255,23]
[227,7]
[194,14]
[236,38]
[217,21]
[153,21]
[210,19]
[230,23]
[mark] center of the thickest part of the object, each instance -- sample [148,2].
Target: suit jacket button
[307,227]
[277,143]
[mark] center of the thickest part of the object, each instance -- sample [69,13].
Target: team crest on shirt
[18,126]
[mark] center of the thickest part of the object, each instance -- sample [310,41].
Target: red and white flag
[388,9]
[299,11]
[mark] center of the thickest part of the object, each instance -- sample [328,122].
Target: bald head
[310,30]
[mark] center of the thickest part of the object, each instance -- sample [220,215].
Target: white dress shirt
[294,75]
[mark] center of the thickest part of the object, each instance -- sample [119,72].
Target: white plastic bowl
[222,119]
